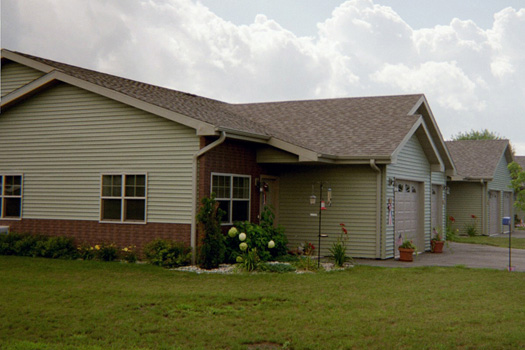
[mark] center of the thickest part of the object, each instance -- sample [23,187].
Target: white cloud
[473,78]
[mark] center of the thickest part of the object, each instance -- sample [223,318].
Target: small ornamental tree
[213,247]
[518,184]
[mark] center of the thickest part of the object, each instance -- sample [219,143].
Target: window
[233,194]
[11,196]
[123,198]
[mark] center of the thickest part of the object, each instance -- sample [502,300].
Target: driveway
[469,255]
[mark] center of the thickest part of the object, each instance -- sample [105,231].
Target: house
[519,214]
[104,158]
[482,188]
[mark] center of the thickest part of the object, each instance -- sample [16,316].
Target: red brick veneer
[93,232]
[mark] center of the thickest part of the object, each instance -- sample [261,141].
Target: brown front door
[270,195]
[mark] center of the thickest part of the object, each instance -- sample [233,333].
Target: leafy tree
[213,246]
[477,135]
[518,184]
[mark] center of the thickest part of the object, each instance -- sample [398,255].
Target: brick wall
[93,232]
[232,157]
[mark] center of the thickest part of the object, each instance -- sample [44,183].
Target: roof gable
[478,159]
[335,130]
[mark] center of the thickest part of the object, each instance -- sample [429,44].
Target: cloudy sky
[467,57]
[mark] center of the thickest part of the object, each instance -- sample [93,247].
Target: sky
[467,57]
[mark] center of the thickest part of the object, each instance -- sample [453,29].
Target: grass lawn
[59,304]
[517,243]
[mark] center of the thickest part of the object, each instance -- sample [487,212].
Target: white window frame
[4,196]
[231,199]
[123,198]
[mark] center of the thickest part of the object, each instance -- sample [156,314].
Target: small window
[407,188]
[11,196]
[413,188]
[233,194]
[400,188]
[123,198]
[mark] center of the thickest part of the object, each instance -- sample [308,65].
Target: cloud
[469,75]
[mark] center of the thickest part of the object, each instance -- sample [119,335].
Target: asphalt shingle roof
[520,160]
[353,127]
[477,159]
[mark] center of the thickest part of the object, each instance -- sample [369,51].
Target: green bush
[167,253]
[106,252]
[38,246]
[258,236]
[213,248]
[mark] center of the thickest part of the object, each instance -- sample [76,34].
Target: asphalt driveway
[469,255]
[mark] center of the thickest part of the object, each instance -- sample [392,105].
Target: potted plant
[407,250]
[437,242]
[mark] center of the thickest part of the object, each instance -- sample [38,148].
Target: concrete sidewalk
[469,255]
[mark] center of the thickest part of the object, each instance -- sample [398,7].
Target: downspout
[194,168]
[379,210]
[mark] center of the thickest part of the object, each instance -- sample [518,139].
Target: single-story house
[108,159]
[482,186]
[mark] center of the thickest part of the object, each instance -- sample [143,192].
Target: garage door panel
[407,212]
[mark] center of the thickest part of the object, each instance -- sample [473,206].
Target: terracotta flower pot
[406,254]
[437,246]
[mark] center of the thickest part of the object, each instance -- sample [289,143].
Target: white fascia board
[28,89]
[12,56]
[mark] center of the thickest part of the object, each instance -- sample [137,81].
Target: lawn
[59,304]
[517,243]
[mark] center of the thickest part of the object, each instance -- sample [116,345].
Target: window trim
[231,199]
[123,198]
[3,197]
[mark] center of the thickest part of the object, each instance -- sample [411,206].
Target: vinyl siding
[411,165]
[354,203]
[465,199]
[439,178]
[502,183]
[15,75]
[63,139]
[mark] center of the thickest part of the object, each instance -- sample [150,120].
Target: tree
[477,135]
[518,184]
[213,247]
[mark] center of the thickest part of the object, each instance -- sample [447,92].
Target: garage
[407,214]
[494,216]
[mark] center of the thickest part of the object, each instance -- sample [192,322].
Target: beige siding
[15,75]
[411,165]
[354,203]
[465,199]
[273,155]
[64,138]
[439,178]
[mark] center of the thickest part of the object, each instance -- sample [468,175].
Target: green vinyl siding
[15,75]
[411,165]
[64,138]
[501,183]
[465,199]
[354,204]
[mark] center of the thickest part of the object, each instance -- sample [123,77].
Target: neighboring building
[482,187]
[103,158]
[520,214]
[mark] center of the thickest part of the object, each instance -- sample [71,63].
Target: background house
[482,187]
[107,159]
[520,214]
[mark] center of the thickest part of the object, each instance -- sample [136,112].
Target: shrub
[258,236]
[57,248]
[213,247]
[129,254]
[86,252]
[7,243]
[106,252]
[167,253]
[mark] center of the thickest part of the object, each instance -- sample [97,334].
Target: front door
[270,195]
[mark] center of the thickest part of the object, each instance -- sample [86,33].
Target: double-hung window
[123,198]
[11,196]
[233,194]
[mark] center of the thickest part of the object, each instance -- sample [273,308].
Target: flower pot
[437,246]
[406,254]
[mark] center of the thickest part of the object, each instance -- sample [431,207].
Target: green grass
[58,304]
[517,243]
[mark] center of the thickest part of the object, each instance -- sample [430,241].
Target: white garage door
[407,213]
[494,216]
